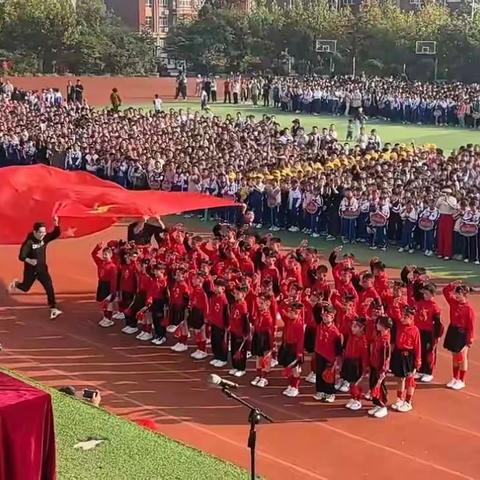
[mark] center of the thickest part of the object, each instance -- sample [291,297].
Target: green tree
[42,28]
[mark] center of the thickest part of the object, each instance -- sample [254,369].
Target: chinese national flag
[84,203]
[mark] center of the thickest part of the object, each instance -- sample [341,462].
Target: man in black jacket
[34,258]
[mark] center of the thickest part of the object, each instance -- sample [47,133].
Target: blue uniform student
[409,217]
[429,214]
[379,237]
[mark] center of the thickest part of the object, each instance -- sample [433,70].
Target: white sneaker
[338,384]
[315,235]
[201,355]
[118,316]
[458,385]
[240,373]
[54,313]
[147,337]
[374,410]
[287,391]
[356,405]
[426,378]
[249,354]
[213,362]
[368,395]
[180,347]
[311,377]
[233,371]
[330,398]
[262,383]
[451,383]
[404,407]
[397,404]
[401,250]
[292,392]
[159,341]
[140,335]
[129,330]
[106,322]
[273,363]
[194,354]
[411,250]
[319,396]
[254,381]
[382,412]
[172,328]
[219,363]
[175,347]
[12,288]
[345,387]
[446,258]
[349,403]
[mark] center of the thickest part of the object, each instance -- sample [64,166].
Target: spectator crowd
[414,197]
[398,100]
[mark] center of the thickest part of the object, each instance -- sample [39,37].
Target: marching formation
[240,295]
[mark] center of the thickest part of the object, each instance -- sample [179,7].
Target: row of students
[237,291]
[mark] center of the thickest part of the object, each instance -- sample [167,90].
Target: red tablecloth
[27,438]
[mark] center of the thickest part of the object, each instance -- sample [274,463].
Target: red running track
[439,439]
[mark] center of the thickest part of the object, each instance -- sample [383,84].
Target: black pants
[30,274]
[214,95]
[429,352]
[227,96]
[158,317]
[381,401]
[219,345]
[321,386]
[239,360]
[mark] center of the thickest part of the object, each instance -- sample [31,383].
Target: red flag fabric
[84,203]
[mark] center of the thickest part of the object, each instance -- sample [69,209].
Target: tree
[43,28]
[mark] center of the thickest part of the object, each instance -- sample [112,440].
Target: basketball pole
[435,69]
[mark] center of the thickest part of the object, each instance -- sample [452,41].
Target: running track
[439,439]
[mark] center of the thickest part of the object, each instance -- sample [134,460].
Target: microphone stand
[254,418]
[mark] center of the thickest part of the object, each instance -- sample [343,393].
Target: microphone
[216,380]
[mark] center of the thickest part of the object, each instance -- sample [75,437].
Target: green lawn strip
[129,451]
[444,137]
[451,270]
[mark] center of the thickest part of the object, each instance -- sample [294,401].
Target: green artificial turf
[129,452]
[447,138]
[451,270]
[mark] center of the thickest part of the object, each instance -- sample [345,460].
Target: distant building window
[349,2]
[164,3]
[163,22]
[414,2]
[149,3]
[184,3]
[149,22]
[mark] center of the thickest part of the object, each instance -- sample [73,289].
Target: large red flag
[84,203]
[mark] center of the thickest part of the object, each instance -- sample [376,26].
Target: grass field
[128,452]
[447,138]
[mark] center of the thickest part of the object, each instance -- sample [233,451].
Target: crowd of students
[413,197]
[395,99]
[235,294]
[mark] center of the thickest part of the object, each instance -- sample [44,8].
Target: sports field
[447,138]
[439,439]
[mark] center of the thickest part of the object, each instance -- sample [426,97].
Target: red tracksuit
[327,347]
[427,320]
[380,353]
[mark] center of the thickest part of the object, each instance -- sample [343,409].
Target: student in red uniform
[406,360]
[460,332]
[312,313]
[321,284]
[290,354]
[262,340]
[128,285]
[157,301]
[218,320]
[328,345]
[427,319]
[198,311]
[179,301]
[355,362]
[380,353]
[380,282]
[137,320]
[367,294]
[395,300]
[107,282]
[239,326]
